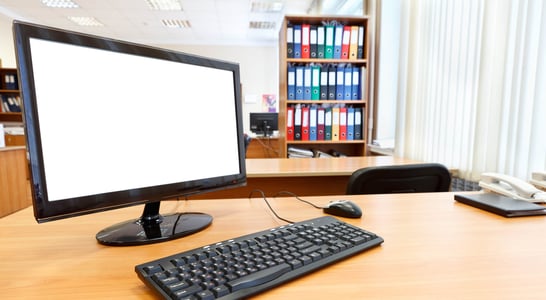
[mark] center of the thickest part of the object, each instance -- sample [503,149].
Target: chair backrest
[414,178]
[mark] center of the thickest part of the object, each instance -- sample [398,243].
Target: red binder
[305,37]
[290,123]
[342,123]
[345,42]
[305,123]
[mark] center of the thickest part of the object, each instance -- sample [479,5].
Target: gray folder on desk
[501,205]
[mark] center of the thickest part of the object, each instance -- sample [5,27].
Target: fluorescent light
[266,6]
[164,4]
[60,3]
[174,23]
[262,25]
[85,21]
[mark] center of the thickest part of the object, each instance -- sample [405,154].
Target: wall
[258,65]
[7,52]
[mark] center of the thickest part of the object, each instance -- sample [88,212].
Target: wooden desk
[13,180]
[263,147]
[302,176]
[435,248]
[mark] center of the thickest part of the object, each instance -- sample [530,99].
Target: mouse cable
[297,197]
[269,205]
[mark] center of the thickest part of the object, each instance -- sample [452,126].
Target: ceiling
[220,22]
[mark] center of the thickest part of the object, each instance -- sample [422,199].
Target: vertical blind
[472,85]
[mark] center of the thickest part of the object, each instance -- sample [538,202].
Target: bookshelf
[291,63]
[10,96]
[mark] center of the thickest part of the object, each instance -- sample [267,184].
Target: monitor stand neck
[152,227]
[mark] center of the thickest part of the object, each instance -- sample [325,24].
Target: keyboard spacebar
[259,277]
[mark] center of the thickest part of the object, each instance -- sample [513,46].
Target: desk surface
[434,248]
[297,167]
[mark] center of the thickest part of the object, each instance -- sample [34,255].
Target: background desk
[435,248]
[13,180]
[263,147]
[302,176]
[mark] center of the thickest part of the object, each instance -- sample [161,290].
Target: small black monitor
[111,124]
[264,123]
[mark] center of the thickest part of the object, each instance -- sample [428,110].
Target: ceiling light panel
[266,6]
[85,21]
[164,4]
[262,25]
[176,23]
[60,3]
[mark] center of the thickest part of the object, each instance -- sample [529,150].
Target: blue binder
[340,82]
[299,83]
[307,82]
[323,83]
[291,83]
[297,41]
[332,82]
[350,123]
[356,84]
[338,39]
[348,82]
[313,123]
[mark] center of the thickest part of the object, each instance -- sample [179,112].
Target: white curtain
[472,85]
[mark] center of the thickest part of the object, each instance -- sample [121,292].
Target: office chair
[415,178]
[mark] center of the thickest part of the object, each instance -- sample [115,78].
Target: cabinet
[10,99]
[318,27]
[14,189]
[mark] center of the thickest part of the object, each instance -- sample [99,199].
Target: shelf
[8,80]
[327,61]
[359,102]
[326,142]
[11,117]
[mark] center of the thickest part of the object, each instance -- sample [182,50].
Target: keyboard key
[258,277]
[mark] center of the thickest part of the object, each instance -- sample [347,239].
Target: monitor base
[152,227]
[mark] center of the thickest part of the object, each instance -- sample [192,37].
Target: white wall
[7,52]
[258,65]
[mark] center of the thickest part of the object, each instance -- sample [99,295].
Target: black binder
[501,205]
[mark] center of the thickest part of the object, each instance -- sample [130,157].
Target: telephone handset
[512,187]
[539,179]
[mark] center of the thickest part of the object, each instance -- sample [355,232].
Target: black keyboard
[249,264]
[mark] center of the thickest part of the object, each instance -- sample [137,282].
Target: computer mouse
[343,208]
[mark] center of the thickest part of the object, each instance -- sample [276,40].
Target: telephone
[512,187]
[539,179]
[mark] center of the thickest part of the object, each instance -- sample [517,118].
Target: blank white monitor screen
[103,114]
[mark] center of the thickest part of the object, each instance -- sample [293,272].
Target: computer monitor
[111,124]
[264,123]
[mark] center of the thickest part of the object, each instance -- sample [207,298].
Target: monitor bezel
[45,210]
